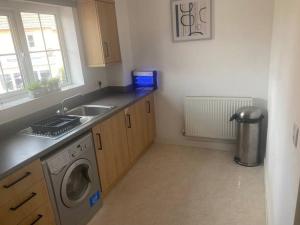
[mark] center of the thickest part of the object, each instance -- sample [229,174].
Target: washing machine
[73,182]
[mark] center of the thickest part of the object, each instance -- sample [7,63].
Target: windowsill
[27,99]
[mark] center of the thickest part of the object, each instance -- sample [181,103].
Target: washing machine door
[77,183]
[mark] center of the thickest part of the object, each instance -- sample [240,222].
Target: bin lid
[251,114]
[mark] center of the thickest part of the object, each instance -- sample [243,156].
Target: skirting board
[213,145]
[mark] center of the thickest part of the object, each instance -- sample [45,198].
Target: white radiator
[208,117]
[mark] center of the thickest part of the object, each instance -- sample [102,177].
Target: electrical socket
[295,135]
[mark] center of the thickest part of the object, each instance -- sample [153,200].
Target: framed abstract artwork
[191,19]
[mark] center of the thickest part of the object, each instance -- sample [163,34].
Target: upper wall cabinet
[98,24]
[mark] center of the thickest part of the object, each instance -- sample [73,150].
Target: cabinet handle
[106,50]
[129,120]
[37,219]
[17,181]
[22,203]
[149,107]
[100,141]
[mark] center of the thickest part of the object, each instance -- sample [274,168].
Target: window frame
[62,44]
[13,12]
[17,45]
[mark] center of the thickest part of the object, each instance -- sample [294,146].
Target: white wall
[119,75]
[234,63]
[283,160]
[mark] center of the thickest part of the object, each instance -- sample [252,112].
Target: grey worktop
[18,150]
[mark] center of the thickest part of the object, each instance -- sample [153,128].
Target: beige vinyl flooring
[174,185]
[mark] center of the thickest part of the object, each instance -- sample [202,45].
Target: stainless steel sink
[90,110]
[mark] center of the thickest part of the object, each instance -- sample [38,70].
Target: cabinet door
[136,129]
[117,131]
[22,193]
[150,118]
[109,32]
[19,181]
[91,33]
[99,30]
[112,150]
[42,216]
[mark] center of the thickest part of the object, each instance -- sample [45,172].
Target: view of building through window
[30,40]
[43,48]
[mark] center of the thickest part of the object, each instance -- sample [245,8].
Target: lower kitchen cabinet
[42,216]
[140,126]
[23,194]
[136,125]
[150,120]
[112,150]
[121,140]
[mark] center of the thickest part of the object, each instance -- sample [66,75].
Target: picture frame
[191,20]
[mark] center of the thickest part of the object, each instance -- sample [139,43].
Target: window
[33,50]
[46,54]
[8,59]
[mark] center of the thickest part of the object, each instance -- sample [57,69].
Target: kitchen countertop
[19,150]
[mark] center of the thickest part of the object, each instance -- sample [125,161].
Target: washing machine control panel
[63,158]
[58,162]
[77,151]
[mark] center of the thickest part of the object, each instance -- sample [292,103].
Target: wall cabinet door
[136,129]
[109,32]
[99,31]
[111,150]
[150,120]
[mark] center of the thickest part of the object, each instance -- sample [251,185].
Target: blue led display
[144,81]
[140,80]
